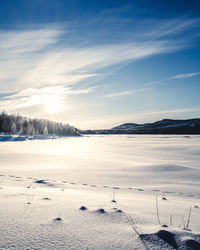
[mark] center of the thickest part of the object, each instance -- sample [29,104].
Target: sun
[52,104]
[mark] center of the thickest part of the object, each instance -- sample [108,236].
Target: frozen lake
[166,163]
[43,180]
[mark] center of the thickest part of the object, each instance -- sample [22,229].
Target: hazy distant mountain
[128,126]
[166,126]
[162,123]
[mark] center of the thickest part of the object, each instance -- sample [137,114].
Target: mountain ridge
[160,122]
[165,126]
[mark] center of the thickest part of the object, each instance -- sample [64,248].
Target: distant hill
[165,126]
[127,126]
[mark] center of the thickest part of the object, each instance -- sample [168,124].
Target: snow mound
[171,239]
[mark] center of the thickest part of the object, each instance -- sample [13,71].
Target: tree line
[17,124]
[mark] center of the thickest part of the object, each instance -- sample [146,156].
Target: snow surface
[9,137]
[43,183]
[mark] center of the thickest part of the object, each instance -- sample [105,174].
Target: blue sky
[96,64]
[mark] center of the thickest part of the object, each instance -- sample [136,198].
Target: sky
[98,64]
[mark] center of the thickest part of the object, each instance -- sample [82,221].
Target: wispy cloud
[31,96]
[171,27]
[125,93]
[55,66]
[43,57]
[186,75]
[33,61]
[152,83]
[171,78]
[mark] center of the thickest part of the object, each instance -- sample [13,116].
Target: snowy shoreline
[9,137]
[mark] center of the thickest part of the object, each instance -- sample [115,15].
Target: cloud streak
[66,66]
[180,76]
[31,96]
[134,91]
[36,61]
[125,93]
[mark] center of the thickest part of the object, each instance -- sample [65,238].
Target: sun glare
[52,104]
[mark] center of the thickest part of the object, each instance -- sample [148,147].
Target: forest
[17,124]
